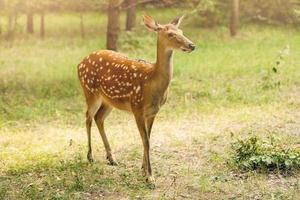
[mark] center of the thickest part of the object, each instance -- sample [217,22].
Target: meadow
[229,87]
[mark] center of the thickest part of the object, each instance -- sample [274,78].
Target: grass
[225,87]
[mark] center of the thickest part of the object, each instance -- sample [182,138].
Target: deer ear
[177,21]
[150,23]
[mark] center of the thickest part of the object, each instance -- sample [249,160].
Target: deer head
[170,35]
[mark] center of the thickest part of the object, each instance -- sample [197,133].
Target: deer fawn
[111,80]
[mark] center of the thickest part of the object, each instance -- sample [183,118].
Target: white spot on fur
[138,89]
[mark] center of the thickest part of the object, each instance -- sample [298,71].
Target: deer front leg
[143,132]
[149,123]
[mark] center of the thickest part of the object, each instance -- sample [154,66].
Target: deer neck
[164,64]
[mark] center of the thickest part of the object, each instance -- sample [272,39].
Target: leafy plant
[270,78]
[253,153]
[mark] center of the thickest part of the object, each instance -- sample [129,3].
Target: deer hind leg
[143,132]
[102,113]
[93,106]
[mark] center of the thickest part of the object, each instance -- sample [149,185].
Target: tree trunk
[0,27]
[82,31]
[30,22]
[42,28]
[235,19]
[131,15]
[15,21]
[9,27]
[113,24]
[1,8]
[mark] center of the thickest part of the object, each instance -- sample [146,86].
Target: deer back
[118,80]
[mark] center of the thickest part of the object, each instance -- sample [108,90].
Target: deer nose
[192,46]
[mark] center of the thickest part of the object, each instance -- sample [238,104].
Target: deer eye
[170,35]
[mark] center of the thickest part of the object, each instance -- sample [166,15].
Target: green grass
[39,77]
[225,87]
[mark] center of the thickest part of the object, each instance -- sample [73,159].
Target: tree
[1,8]
[0,27]
[234,21]
[42,8]
[42,26]
[29,26]
[131,14]
[29,8]
[113,24]
[81,7]
[10,9]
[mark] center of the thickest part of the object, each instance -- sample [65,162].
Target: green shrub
[254,153]
[270,78]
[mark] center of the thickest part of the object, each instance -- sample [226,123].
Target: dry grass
[189,156]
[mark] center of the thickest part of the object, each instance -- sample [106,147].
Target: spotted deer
[111,80]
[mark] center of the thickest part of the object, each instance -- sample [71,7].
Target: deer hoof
[150,179]
[151,182]
[90,158]
[111,161]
